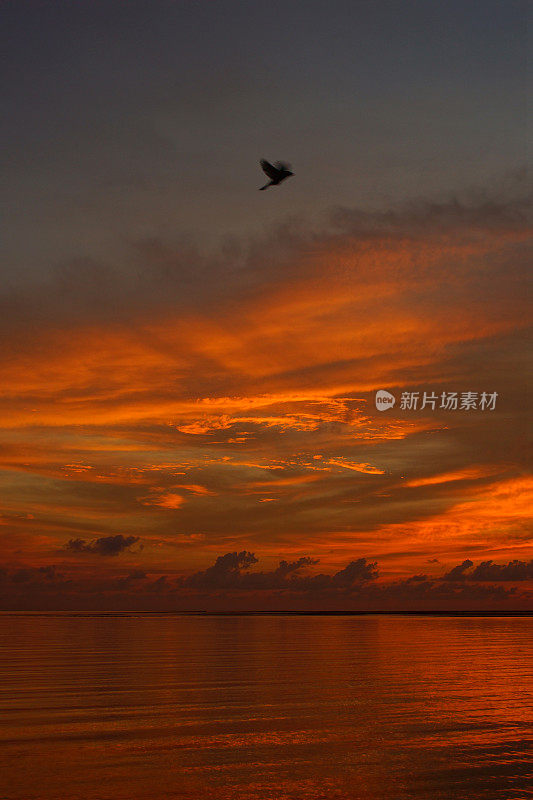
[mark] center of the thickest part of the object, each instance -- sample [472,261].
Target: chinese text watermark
[447,401]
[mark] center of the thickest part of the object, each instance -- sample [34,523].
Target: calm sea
[127,706]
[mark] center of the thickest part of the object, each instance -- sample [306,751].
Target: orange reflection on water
[248,707]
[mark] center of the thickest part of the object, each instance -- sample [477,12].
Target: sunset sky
[189,366]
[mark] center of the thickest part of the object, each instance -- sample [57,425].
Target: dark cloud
[471,213]
[226,571]
[513,571]
[155,274]
[104,546]
[132,579]
[419,594]
[232,583]
[458,573]
[231,571]
[286,567]
[355,572]
[489,571]
[161,584]
[36,575]
[353,587]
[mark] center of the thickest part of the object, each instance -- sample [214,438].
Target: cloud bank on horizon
[233,584]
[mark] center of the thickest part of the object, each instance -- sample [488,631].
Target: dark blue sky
[147,119]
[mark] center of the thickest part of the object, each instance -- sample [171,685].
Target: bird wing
[268,169]
[282,165]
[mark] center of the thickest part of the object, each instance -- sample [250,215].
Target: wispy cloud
[104,546]
[237,412]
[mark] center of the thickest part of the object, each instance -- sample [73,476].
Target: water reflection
[271,707]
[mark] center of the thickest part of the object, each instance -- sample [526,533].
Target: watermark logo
[384,400]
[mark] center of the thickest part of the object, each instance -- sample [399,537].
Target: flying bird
[277,172]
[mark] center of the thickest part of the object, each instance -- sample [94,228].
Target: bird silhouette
[277,172]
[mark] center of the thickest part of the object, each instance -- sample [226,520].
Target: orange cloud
[272,395]
[168,500]
[196,489]
[368,469]
[471,473]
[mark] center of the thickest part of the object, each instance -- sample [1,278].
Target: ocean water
[127,706]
